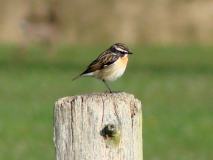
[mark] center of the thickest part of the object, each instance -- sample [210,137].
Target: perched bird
[109,65]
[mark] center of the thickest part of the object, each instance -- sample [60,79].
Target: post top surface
[103,96]
[114,95]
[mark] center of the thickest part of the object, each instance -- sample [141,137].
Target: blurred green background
[44,44]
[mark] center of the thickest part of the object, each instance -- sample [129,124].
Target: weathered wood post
[102,126]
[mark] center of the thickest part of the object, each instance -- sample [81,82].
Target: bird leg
[107,86]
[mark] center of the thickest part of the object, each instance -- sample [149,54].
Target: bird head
[120,48]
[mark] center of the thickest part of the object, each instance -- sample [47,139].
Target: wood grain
[80,121]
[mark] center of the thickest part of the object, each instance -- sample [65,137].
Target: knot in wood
[109,131]
[111,134]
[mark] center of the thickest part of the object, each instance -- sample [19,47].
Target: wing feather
[103,61]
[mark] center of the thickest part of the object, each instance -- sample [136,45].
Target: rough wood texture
[81,123]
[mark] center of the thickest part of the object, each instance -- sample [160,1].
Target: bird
[109,65]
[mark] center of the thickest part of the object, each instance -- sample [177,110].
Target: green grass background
[175,85]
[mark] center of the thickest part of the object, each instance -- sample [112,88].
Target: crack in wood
[116,114]
[102,119]
[72,127]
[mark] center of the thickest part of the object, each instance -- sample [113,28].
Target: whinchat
[109,65]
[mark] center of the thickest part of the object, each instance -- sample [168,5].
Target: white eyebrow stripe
[120,49]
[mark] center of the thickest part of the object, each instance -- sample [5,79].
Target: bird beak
[130,53]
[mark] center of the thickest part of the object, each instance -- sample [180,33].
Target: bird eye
[113,49]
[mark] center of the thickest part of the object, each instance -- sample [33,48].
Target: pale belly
[113,71]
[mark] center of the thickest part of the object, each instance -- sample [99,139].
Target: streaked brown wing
[105,59]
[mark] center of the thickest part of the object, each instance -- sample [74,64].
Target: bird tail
[85,73]
[76,77]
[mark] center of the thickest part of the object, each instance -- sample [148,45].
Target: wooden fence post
[101,126]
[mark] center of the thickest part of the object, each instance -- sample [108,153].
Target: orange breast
[124,60]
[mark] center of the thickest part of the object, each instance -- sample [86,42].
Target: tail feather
[85,73]
[78,76]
